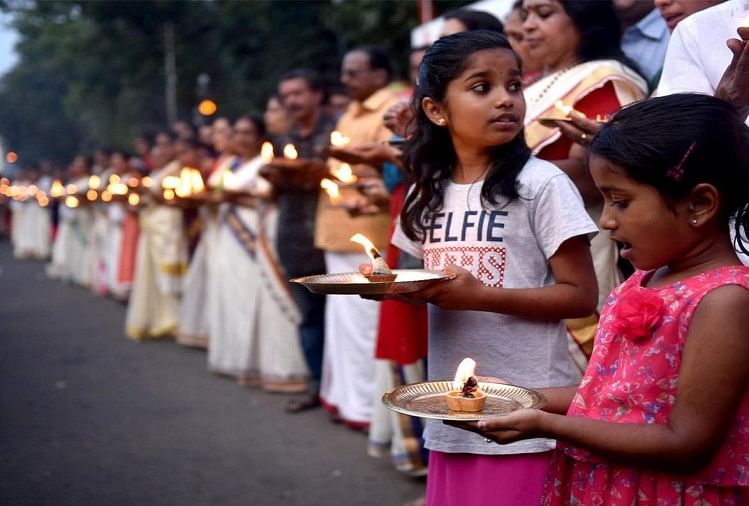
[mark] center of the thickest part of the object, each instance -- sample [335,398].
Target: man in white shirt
[698,60]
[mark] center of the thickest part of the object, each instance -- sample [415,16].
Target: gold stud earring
[441,121]
[695,221]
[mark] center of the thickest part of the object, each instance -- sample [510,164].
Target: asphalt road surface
[88,417]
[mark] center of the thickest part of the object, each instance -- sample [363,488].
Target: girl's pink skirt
[462,479]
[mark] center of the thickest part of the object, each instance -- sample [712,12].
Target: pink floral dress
[633,378]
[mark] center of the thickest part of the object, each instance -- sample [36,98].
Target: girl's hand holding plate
[457,293]
[515,426]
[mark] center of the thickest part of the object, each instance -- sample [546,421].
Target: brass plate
[427,400]
[354,283]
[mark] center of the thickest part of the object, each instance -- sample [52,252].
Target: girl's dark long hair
[429,156]
[675,142]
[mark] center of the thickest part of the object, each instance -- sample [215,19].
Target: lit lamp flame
[106,196]
[564,108]
[334,194]
[465,370]
[344,173]
[183,188]
[132,182]
[196,181]
[146,182]
[42,199]
[170,182]
[378,263]
[227,180]
[71,189]
[266,152]
[117,189]
[338,139]
[290,152]
[71,202]
[567,110]
[91,195]
[190,182]
[57,189]
[94,181]
[133,199]
[32,190]
[114,179]
[168,194]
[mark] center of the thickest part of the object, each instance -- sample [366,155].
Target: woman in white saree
[161,261]
[71,249]
[253,334]
[194,324]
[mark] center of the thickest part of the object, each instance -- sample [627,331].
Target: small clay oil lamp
[381,273]
[466,395]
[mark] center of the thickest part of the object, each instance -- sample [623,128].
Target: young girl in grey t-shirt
[513,231]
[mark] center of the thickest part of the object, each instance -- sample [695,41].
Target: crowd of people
[592,214]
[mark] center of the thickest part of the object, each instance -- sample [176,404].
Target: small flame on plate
[466,369]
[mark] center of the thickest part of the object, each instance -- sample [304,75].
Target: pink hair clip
[677,173]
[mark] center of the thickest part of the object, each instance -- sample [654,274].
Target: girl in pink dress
[662,414]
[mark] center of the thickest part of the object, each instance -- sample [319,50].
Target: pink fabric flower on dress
[637,312]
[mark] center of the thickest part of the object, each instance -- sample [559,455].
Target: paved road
[88,417]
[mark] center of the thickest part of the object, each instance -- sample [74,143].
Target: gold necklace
[535,100]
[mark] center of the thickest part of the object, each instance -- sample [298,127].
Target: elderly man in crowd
[351,324]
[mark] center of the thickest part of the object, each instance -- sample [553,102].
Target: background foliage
[90,73]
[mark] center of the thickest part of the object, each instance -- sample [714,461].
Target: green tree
[91,72]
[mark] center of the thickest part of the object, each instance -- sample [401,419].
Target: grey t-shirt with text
[507,245]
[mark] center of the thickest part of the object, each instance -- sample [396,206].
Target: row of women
[224,287]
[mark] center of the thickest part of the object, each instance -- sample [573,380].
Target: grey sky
[8,38]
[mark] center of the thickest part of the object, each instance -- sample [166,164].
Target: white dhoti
[21,236]
[348,361]
[40,230]
[393,433]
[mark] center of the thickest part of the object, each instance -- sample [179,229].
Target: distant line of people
[508,162]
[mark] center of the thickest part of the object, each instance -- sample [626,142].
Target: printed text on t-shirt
[476,226]
[485,262]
